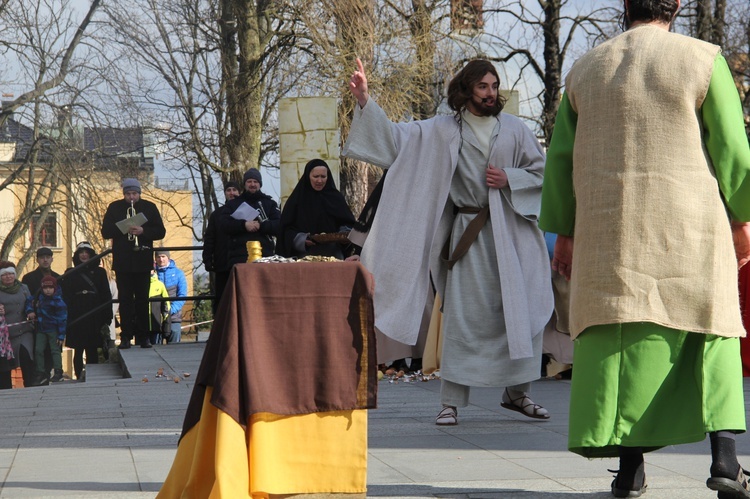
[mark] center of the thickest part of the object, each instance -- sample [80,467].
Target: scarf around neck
[12,289]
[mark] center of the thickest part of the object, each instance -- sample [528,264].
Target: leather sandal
[524,405]
[448,416]
[728,488]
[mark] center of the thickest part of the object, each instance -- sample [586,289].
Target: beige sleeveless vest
[652,236]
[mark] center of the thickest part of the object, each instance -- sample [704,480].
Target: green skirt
[645,385]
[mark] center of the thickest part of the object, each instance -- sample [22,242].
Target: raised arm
[358,84]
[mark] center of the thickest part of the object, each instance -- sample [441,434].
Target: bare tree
[355,28]
[41,40]
[418,44]
[398,42]
[52,67]
[208,81]
[708,20]
[563,26]
[725,23]
[423,19]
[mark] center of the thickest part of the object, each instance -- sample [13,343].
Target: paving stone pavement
[115,437]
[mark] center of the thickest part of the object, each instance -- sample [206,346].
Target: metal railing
[97,258]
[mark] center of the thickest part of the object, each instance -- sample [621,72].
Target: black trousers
[92,357]
[6,380]
[220,282]
[132,291]
[28,366]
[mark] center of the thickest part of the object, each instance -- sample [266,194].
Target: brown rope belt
[468,237]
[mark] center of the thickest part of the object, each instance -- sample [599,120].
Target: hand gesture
[562,259]
[358,84]
[741,237]
[496,178]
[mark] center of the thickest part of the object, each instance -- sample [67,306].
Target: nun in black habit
[314,207]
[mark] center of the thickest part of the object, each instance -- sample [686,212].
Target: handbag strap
[468,237]
[89,282]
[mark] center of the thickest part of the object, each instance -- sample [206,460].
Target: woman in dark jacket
[84,290]
[19,311]
[314,207]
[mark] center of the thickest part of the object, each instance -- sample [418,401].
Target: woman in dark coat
[19,311]
[83,291]
[8,360]
[314,207]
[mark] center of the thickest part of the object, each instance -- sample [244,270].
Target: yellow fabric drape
[277,455]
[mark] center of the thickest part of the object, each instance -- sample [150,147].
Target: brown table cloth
[288,339]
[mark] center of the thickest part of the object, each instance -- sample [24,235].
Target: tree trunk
[718,36]
[420,25]
[241,67]
[710,23]
[553,67]
[703,21]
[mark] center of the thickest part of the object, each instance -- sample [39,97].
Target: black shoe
[416,365]
[145,344]
[400,365]
[630,486]
[728,488]
[41,380]
[57,377]
[545,362]
[124,345]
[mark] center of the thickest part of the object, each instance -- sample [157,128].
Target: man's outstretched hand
[358,84]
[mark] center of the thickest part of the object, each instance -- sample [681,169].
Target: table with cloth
[745,308]
[280,402]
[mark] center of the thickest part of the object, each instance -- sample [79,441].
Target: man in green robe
[647,184]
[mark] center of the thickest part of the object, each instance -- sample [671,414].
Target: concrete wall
[513,102]
[308,129]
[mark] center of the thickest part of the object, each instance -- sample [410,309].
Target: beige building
[80,194]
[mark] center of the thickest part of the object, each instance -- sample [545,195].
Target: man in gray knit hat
[132,259]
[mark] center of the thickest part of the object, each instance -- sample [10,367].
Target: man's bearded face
[484,101]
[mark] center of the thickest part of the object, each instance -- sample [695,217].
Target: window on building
[47,231]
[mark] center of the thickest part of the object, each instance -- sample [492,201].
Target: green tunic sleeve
[726,140]
[558,212]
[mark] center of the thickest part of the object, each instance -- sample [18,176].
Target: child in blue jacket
[51,318]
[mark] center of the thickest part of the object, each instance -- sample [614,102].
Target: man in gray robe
[445,172]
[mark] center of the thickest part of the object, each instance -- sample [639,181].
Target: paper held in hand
[245,212]
[137,221]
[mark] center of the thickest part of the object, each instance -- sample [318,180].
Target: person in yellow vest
[647,184]
[158,310]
